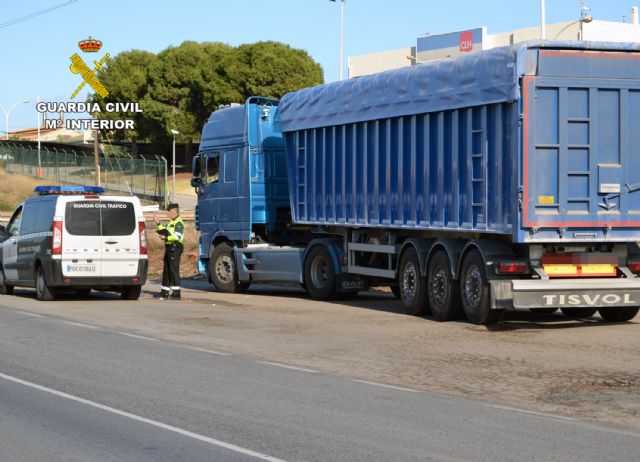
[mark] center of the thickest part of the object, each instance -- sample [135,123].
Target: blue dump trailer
[504,179]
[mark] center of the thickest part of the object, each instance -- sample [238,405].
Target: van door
[10,247]
[119,237]
[81,238]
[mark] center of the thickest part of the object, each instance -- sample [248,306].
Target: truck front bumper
[522,294]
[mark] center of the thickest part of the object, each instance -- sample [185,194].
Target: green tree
[180,86]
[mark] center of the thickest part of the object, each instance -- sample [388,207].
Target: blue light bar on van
[47,190]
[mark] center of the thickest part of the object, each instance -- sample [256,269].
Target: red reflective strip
[512,267]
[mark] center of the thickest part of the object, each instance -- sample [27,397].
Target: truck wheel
[543,310]
[474,291]
[131,293]
[319,274]
[412,287]
[5,289]
[443,298]
[44,293]
[578,312]
[222,270]
[618,313]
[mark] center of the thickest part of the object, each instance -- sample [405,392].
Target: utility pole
[96,151]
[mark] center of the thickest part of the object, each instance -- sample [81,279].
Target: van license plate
[81,269]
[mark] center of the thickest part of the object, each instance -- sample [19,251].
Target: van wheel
[412,287]
[5,289]
[578,312]
[222,270]
[443,296]
[319,274]
[474,291]
[618,313]
[44,293]
[131,293]
[83,292]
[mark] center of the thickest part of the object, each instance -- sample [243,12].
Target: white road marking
[286,366]
[79,324]
[539,414]
[141,337]
[213,352]
[26,313]
[393,387]
[138,418]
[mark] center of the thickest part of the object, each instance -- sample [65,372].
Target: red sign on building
[466,41]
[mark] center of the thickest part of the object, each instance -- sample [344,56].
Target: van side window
[14,225]
[213,169]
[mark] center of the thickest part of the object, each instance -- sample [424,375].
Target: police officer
[173,236]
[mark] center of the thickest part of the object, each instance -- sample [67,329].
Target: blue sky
[34,54]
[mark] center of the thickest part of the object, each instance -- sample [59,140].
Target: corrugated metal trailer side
[446,170]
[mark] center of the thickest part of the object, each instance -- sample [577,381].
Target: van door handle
[111,242]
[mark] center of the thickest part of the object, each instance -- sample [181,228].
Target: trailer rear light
[512,267]
[56,238]
[143,238]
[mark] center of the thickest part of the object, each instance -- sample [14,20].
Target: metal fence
[145,177]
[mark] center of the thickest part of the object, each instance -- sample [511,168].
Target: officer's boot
[175,295]
[163,295]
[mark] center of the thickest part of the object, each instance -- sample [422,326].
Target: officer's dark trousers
[171,272]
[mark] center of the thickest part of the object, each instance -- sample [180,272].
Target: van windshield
[100,218]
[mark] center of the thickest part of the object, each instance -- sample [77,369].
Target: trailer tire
[618,313]
[474,291]
[443,296]
[5,289]
[223,272]
[412,287]
[319,274]
[44,293]
[578,312]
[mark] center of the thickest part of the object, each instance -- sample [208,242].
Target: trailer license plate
[580,270]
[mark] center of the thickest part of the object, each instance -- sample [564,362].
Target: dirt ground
[582,368]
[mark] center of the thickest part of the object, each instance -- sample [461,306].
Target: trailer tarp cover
[476,79]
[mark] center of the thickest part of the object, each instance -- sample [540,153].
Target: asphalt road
[72,391]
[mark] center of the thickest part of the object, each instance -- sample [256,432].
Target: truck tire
[474,291]
[618,313]
[412,287]
[44,293]
[223,272]
[131,292]
[319,274]
[443,296]
[5,289]
[578,312]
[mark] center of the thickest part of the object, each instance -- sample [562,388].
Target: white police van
[74,238]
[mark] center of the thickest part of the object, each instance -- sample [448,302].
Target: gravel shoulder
[582,368]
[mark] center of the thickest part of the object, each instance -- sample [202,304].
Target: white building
[454,44]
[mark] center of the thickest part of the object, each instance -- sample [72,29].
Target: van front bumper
[523,294]
[56,279]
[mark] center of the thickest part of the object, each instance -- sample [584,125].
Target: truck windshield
[100,218]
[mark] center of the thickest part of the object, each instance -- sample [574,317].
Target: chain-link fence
[144,177]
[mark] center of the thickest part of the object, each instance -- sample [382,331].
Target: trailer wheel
[222,270]
[5,289]
[44,293]
[443,297]
[474,291]
[319,274]
[578,312]
[618,313]
[412,287]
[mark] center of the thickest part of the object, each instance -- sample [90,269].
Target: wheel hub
[224,268]
[439,286]
[319,272]
[473,286]
[408,284]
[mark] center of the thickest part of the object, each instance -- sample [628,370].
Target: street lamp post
[8,112]
[173,167]
[341,34]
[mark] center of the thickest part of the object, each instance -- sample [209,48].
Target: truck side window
[14,224]
[213,169]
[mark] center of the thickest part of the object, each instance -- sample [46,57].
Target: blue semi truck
[504,179]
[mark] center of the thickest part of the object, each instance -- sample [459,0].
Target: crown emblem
[90,45]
